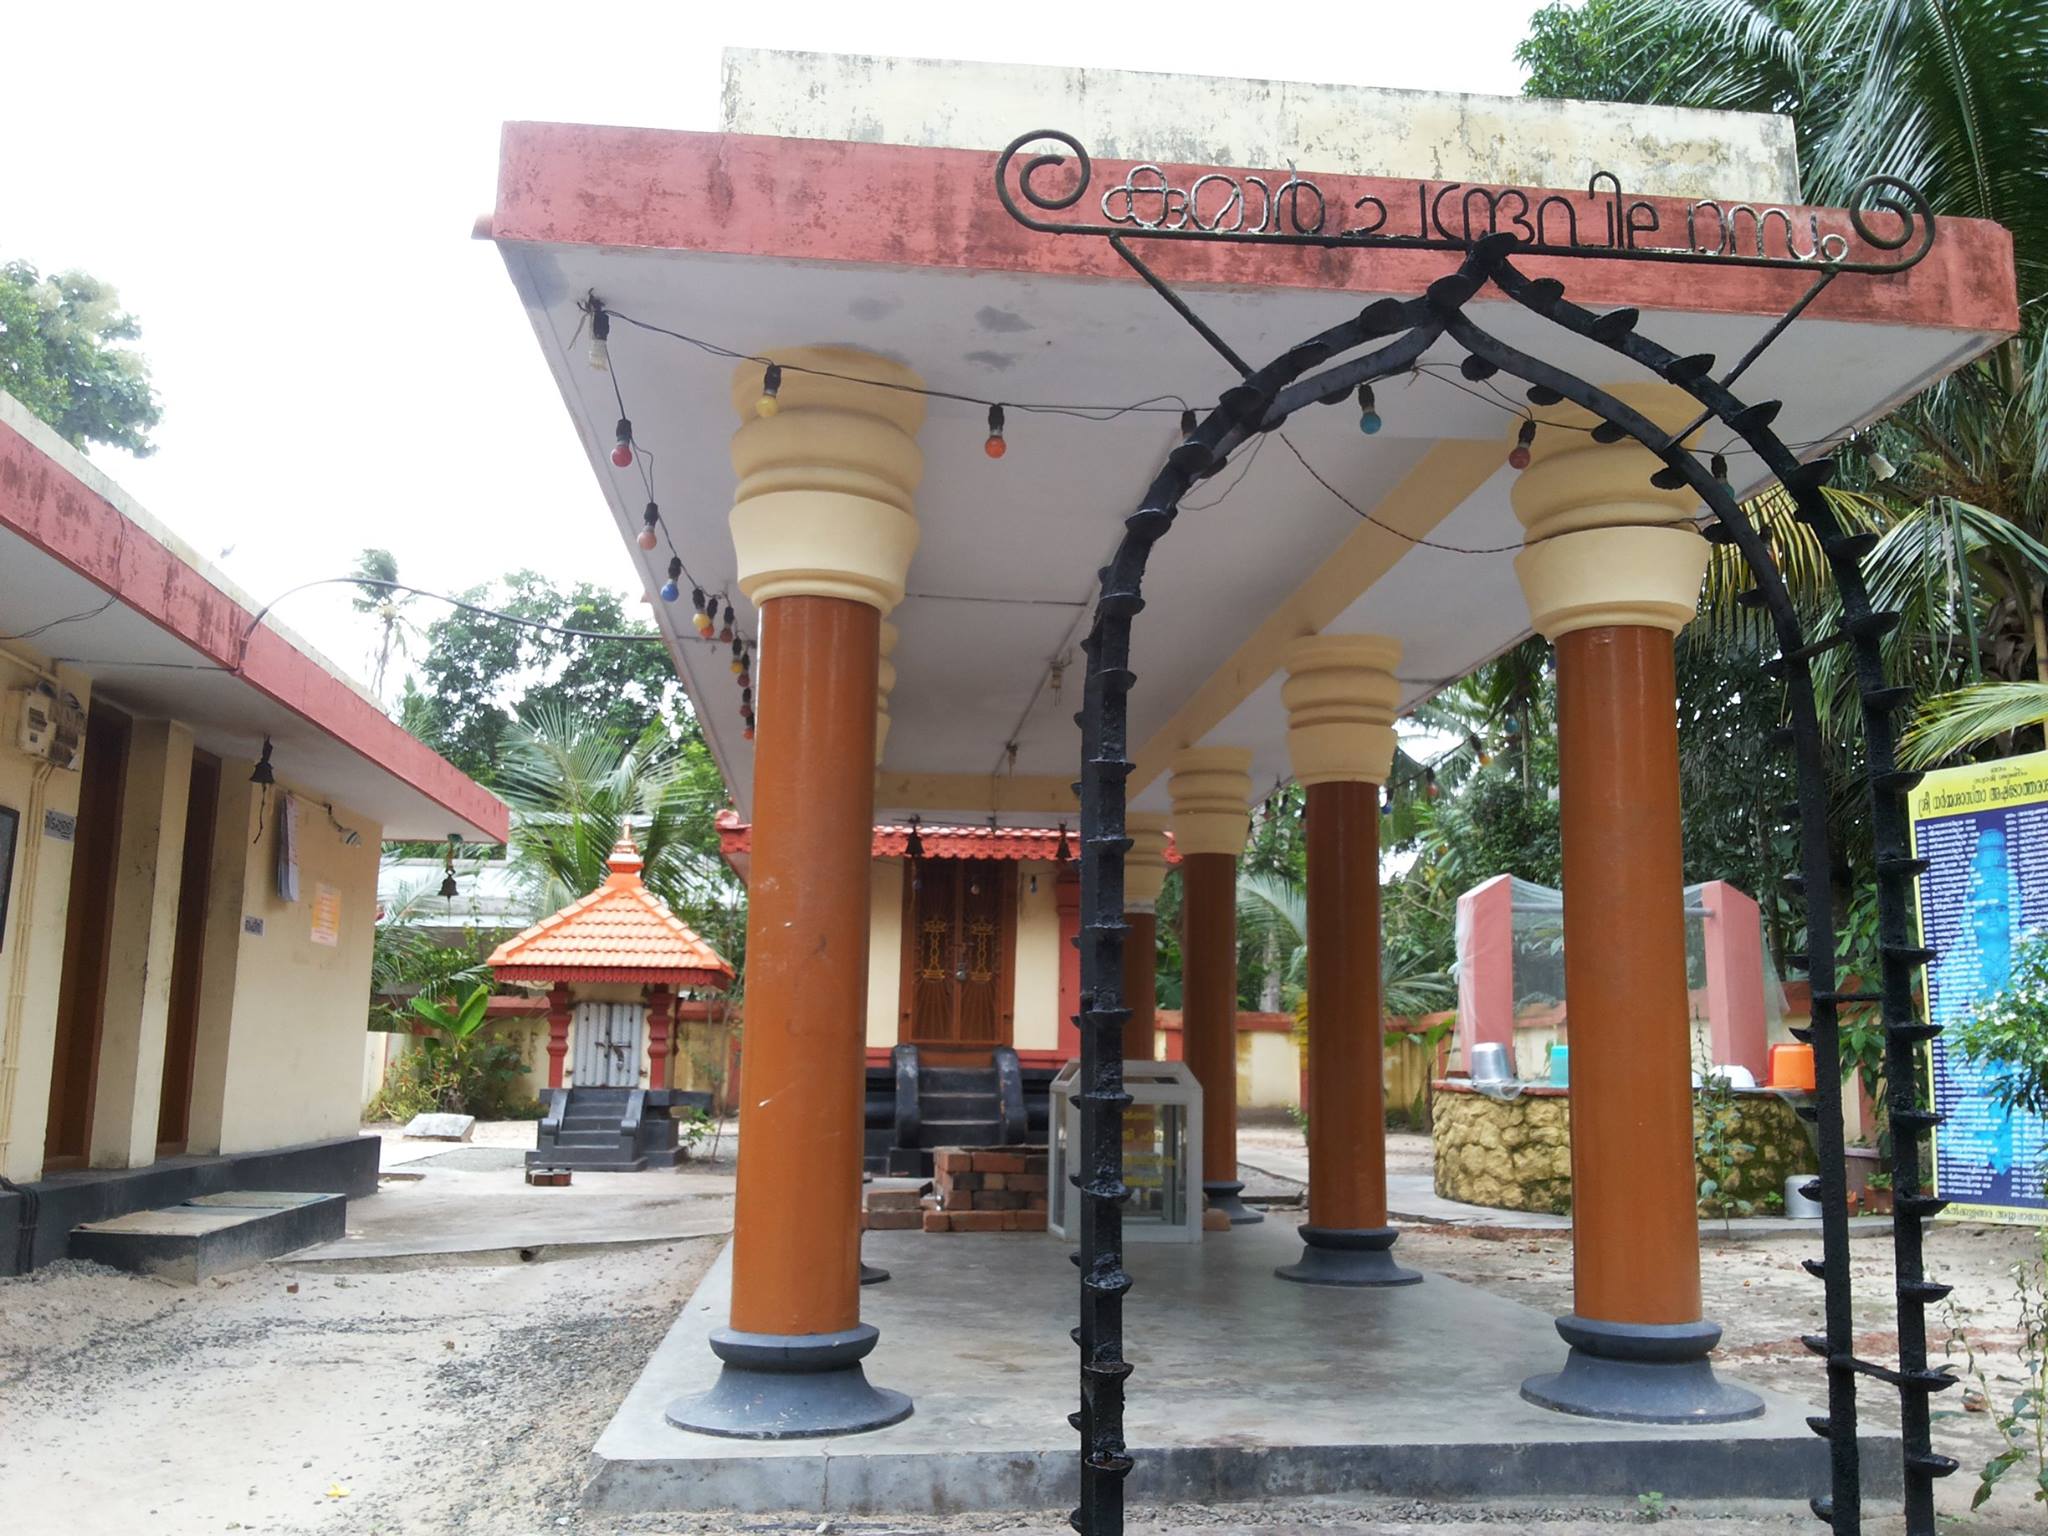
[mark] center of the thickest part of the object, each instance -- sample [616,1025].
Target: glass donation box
[1162,1153]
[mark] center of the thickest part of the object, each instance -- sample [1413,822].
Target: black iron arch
[1317,371]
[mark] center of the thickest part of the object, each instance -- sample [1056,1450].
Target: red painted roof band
[893,841]
[791,200]
[44,503]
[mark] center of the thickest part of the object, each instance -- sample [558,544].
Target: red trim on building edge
[50,507]
[736,195]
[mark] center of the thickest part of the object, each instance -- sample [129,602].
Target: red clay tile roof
[619,932]
[893,842]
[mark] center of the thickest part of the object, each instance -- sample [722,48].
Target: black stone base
[872,1274]
[1224,1197]
[1348,1256]
[1641,1373]
[790,1387]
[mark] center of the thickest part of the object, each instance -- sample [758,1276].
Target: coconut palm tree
[575,789]
[394,628]
[1951,95]
[1273,911]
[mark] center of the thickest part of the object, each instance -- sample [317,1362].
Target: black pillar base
[790,1387]
[872,1274]
[1224,1197]
[1641,1373]
[1348,1256]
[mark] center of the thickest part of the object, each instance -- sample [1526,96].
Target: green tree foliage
[479,673]
[1576,51]
[61,356]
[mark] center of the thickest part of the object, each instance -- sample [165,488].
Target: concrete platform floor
[496,1218]
[1245,1386]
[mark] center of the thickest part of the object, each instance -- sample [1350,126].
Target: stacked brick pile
[1000,1189]
[898,1209]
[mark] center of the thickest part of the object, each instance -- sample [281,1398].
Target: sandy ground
[460,1399]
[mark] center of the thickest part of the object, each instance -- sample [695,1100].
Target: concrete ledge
[1245,1387]
[344,1165]
[212,1235]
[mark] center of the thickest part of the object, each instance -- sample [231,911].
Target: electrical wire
[643,638]
[69,618]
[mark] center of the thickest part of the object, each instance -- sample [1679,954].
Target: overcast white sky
[284,196]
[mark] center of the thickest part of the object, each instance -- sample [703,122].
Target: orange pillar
[1211,790]
[558,1031]
[660,1015]
[1611,572]
[822,530]
[1141,990]
[1341,696]
[1066,900]
[1144,874]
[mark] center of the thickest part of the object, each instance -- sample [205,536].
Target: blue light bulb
[669,592]
[1368,412]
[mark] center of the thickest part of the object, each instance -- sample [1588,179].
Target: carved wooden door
[958,943]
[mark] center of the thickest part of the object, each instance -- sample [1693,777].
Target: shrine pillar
[1144,874]
[1611,570]
[1211,789]
[1341,696]
[823,529]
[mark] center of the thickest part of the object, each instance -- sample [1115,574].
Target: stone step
[600,1137]
[212,1234]
[959,1133]
[956,1080]
[958,1106]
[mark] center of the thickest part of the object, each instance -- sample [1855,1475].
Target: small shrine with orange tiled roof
[614,962]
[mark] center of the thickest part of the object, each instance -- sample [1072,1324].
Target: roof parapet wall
[1352,130]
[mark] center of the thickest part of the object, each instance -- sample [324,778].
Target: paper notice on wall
[1984,833]
[326,914]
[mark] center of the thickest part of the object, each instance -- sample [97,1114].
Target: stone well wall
[1516,1155]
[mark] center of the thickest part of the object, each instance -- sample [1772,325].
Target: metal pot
[1490,1063]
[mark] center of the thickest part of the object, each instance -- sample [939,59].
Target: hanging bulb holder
[600,338]
[1065,853]
[652,519]
[1718,467]
[1187,423]
[622,448]
[263,773]
[771,389]
[1525,438]
[1368,411]
[995,447]
[913,847]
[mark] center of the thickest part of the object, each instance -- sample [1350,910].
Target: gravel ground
[413,1403]
[445,1401]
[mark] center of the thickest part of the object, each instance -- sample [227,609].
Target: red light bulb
[1519,458]
[646,539]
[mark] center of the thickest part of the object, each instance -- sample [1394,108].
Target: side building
[191,808]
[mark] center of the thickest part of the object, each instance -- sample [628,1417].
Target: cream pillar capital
[1212,792]
[1145,864]
[1604,546]
[824,503]
[1340,695]
[885,684]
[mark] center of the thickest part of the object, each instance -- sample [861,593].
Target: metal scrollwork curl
[1034,168]
[1890,194]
